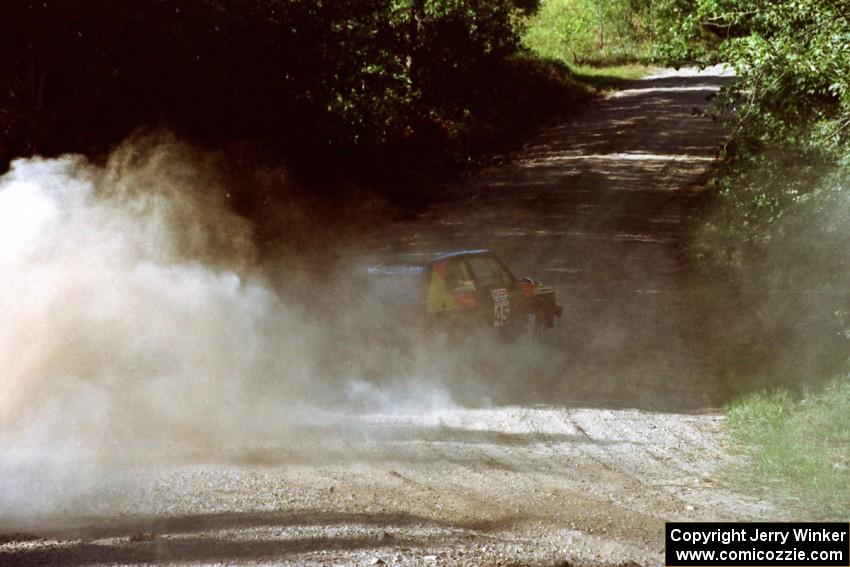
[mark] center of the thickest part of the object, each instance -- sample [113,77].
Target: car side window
[458,277]
[507,277]
[488,274]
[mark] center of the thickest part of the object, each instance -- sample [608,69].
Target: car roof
[445,255]
[417,261]
[423,258]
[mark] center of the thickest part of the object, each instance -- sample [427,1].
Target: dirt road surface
[580,464]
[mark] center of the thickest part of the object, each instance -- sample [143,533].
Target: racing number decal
[502,313]
[501,307]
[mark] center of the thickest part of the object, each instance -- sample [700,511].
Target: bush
[589,31]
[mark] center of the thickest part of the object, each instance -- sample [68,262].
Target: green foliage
[609,77]
[353,81]
[787,162]
[798,449]
[777,220]
[589,31]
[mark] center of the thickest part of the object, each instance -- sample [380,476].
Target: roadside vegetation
[773,234]
[603,42]
[588,33]
[798,448]
[775,228]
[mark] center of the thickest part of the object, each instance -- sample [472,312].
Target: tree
[302,76]
[779,220]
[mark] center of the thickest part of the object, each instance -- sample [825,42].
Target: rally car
[459,290]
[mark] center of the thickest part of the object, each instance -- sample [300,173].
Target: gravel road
[579,463]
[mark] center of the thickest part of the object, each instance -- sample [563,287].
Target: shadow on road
[211,538]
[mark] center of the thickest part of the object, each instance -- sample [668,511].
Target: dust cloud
[139,327]
[134,321]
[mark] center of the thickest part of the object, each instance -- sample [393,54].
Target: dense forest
[380,89]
